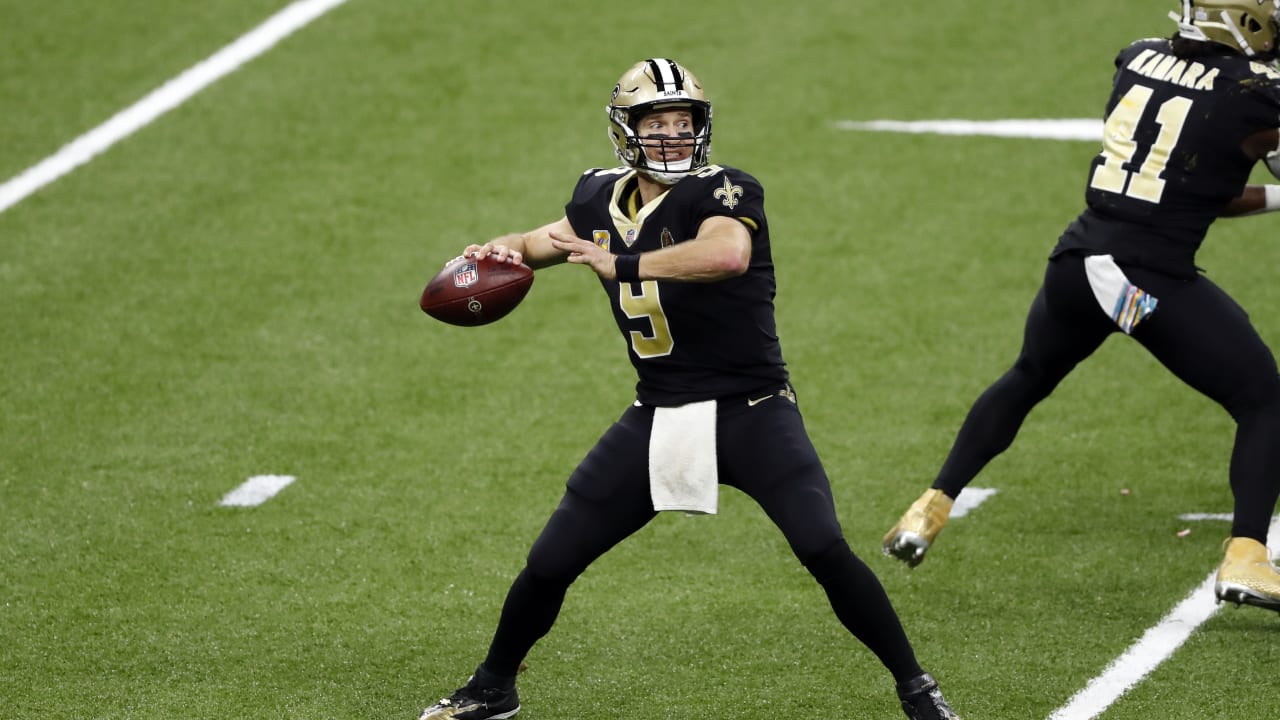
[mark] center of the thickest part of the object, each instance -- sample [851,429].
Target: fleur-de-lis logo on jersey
[729,194]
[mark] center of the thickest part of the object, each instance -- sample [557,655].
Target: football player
[681,248]
[1187,120]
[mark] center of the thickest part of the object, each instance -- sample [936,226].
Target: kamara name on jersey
[1167,68]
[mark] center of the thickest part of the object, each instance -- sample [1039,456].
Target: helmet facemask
[656,86]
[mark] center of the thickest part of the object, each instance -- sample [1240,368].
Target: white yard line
[163,99]
[969,499]
[1048,129]
[256,490]
[1207,516]
[1144,656]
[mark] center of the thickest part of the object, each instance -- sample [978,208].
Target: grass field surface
[231,292]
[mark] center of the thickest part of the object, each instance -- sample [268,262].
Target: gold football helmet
[1250,26]
[655,85]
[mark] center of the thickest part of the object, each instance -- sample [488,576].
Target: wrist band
[1272,193]
[627,267]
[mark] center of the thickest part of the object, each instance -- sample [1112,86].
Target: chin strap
[662,178]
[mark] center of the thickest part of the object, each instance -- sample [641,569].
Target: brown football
[475,292]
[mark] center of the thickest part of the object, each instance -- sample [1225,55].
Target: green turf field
[231,292]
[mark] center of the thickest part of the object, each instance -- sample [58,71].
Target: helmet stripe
[666,74]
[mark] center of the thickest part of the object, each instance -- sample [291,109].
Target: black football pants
[1197,331]
[764,451]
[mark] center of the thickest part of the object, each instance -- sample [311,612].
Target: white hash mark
[256,490]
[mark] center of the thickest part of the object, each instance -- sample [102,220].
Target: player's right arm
[1264,146]
[533,248]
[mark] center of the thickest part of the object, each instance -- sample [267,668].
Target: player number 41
[1119,146]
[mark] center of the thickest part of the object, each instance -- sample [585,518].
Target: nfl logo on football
[466,275]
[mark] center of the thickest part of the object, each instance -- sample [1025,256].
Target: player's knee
[558,558]
[533,590]
[1259,397]
[579,531]
[1033,378]
[829,560]
[544,566]
[558,553]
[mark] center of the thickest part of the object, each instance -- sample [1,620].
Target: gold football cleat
[1247,576]
[914,533]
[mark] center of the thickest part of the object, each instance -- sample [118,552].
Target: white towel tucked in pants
[682,458]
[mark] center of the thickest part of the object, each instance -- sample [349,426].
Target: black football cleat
[922,700]
[471,702]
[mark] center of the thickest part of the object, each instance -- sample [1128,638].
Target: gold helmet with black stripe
[656,85]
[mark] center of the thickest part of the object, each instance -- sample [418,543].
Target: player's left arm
[721,250]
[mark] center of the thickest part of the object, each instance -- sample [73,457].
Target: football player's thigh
[1205,338]
[616,469]
[1065,324]
[581,530]
[765,451]
[606,500]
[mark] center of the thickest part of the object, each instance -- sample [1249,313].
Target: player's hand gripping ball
[471,292]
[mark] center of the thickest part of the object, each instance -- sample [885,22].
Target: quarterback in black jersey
[1188,119]
[727,344]
[681,249]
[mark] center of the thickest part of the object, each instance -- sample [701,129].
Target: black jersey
[688,341]
[1171,157]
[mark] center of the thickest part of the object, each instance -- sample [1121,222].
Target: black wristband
[627,267]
